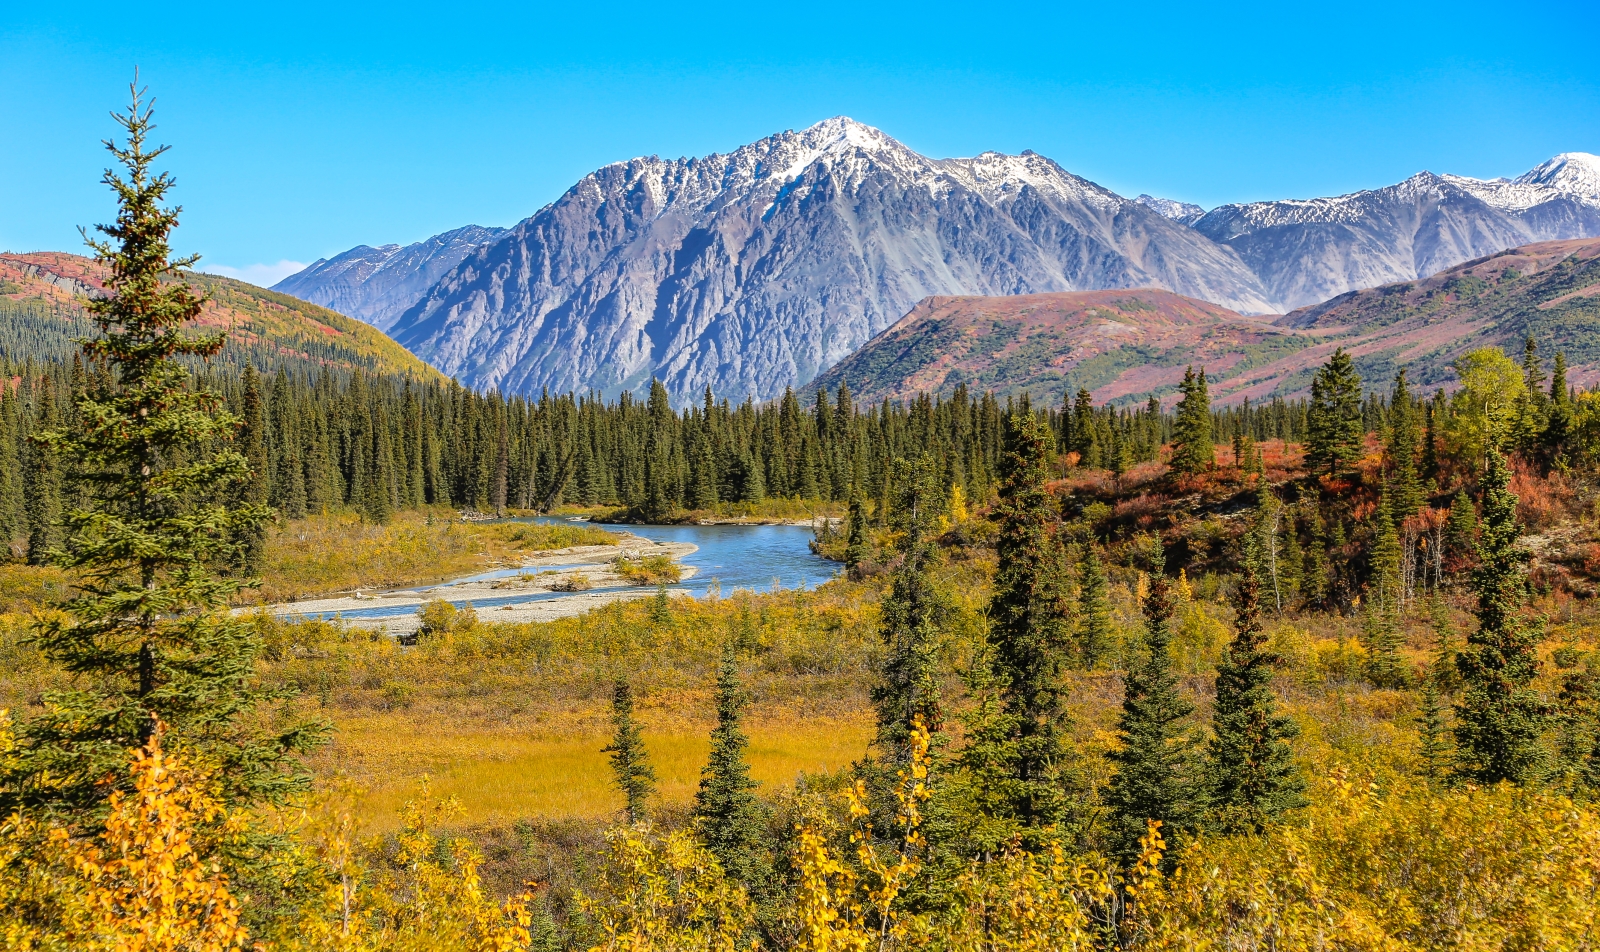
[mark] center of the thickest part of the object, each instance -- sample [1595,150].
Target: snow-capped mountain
[377,284]
[1307,251]
[756,270]
[1186,212]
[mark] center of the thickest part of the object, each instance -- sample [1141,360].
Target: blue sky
[300,130]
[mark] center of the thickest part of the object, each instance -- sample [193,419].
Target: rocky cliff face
[756,270]
[1309,251]
[377,284]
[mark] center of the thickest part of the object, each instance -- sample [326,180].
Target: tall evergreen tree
[1094,608]
[857,549]
[1404,488]
[43,488]
[727,816]
[253,442]
[1334,418]
[1030,623]
[1461,529]
[1381,616]
[910,616]
[148,633]
[630,765]
[1192,448]
[1154,776]
[1500,717]
[1251,778]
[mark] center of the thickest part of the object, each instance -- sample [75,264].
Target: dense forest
[378,444]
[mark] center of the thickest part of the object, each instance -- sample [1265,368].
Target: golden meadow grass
[502,776]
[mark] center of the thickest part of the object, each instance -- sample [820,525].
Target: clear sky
[300,130]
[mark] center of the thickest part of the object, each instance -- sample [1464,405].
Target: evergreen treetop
[1334,419]
[1192,448]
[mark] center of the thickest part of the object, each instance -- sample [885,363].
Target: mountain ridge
[1128,345]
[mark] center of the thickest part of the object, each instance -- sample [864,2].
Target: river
[727,558]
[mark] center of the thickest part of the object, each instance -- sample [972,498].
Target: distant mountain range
[376,285]
[1125,345]
[759,269]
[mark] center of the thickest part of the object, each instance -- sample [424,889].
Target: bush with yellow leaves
[667,893]
[147,881]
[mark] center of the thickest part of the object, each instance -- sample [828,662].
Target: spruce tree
[1461,529]
[630,765]
[1381,629]
[857,549]
[1030,624]
[1251,778]
[1500,717]
[1404,488]
[1153,778]
[910,617]
[1334,418]
[253,443]
[1192,449]
[43,491]
[1094,608]
[148,634]
[727,816]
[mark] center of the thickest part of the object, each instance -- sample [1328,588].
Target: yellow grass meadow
[500,776]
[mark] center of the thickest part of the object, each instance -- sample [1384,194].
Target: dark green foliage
[1251,778]
[43,489]
[1461,530]
[629,763]
[253,444]
[1192,448]
[1334,418]
[1500,717]
[910,617]
[1381,630]
[1154,776]
[1094,608]
[857,549]
[1404,486]
[727,816]
[156,480]
[1030,620]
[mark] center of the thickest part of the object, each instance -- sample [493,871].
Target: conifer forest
[1315,672]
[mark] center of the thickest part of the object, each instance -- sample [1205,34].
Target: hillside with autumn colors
[1127,344]
[41,313]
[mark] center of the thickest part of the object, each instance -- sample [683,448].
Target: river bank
[557,583]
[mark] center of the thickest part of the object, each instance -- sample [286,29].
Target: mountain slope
[1125,345]
[1550,290]
[1117,344]
[755,270]
[1308,251]
[41,311]
[376,285]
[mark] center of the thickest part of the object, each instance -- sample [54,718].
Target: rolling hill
[41,312]
[1125,345]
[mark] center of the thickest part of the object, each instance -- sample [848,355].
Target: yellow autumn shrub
[666,893]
